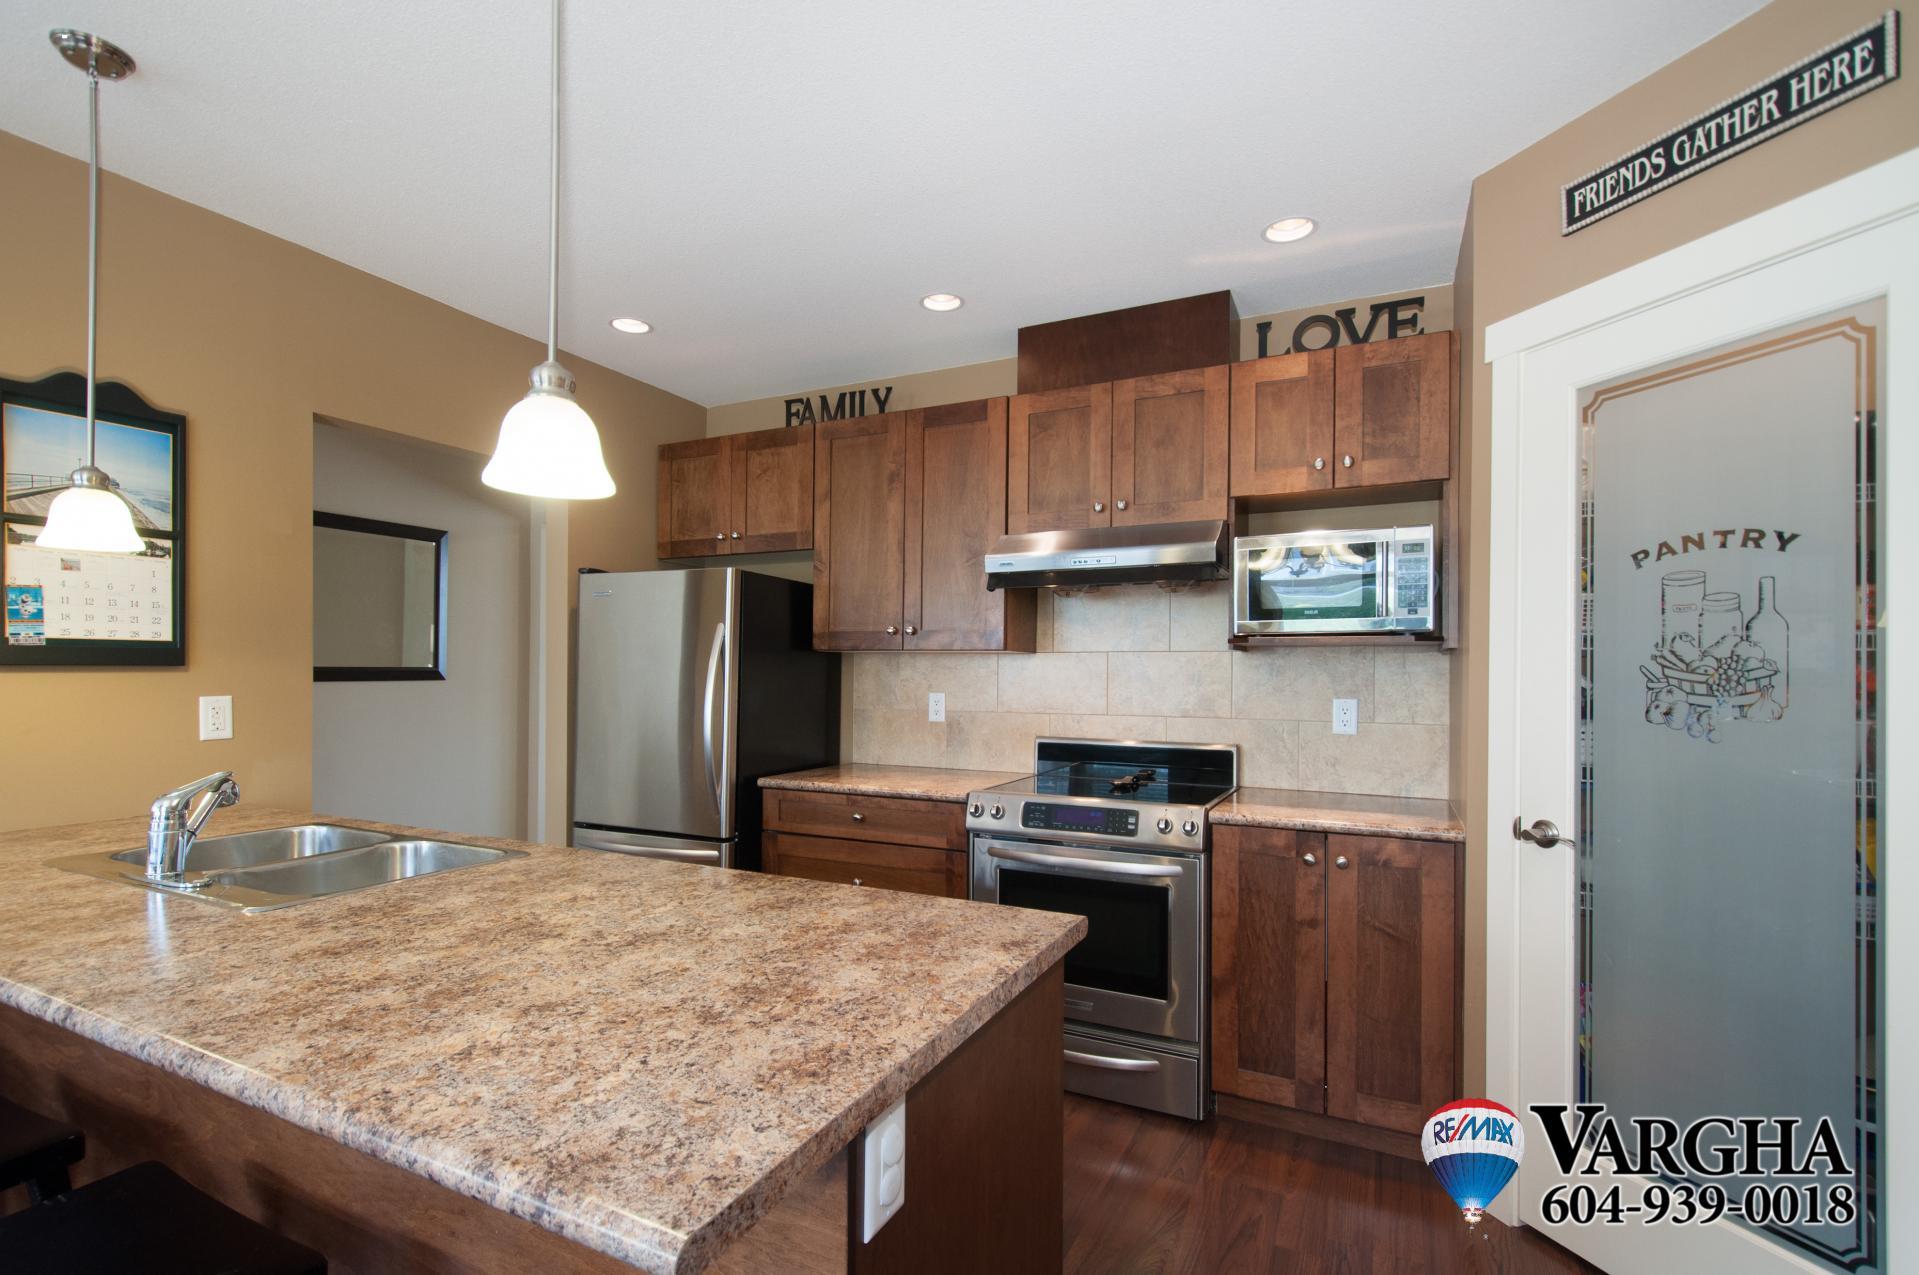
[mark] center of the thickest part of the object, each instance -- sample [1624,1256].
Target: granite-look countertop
[639,1055]
[1414,818]
[924,783]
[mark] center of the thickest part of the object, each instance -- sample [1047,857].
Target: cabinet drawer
[938,825]
[910,868]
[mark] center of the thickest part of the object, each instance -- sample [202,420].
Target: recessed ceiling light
[1289,228]
[942,301]
[634,326]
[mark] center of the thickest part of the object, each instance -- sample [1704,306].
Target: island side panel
[985,1154]
[365,1215]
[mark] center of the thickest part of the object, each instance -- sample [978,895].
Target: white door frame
[1886,195]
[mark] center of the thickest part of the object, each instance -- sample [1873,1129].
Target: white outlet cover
[1345,717]
[883,1168]
[936,706]
[216,717]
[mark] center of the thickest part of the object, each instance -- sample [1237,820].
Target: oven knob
[1164,825]
[976,810]
[998,811]
[1190,828]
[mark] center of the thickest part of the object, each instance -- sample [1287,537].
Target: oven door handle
[1091,868]
[1111,1064]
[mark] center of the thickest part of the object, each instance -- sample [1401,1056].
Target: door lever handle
[1543,832]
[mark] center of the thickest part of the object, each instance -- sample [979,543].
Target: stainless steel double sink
[278,867]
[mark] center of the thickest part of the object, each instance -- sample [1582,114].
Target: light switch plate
[1345,717]
[216,717]
[883,1165]
[936,706]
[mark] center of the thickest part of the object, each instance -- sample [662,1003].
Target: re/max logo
[1489,1127]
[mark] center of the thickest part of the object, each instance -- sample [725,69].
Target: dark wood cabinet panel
[772,490]
[1391,980]
[695,510]
[1059,456]
[913,869]
[1269,967]
[955,510]
[1169,446]
[859,483]
[1283,424]
[937,825]
[1394,411]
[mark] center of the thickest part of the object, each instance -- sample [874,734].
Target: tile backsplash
[1142,662]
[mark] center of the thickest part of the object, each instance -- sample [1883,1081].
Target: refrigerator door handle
[713,662]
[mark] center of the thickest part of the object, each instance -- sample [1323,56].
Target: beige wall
[1514,258]
[252,337]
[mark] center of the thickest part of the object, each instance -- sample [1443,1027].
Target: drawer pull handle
[1105,1063]
[858,817]
[857,881]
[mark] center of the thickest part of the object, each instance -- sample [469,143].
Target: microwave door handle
[1162,872]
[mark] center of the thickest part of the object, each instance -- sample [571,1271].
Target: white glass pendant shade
[548,447]
[90,515]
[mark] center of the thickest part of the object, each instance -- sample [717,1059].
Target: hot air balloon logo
[1473,1147]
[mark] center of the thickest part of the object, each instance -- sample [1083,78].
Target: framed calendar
[77,608]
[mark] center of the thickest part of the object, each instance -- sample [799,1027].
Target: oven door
[1141,966]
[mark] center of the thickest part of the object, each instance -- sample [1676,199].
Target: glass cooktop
[1116,781]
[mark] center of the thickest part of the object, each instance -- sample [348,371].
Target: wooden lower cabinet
[1336,973]
[893,843]
[913,869]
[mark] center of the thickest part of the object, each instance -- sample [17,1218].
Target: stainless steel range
[1116,833]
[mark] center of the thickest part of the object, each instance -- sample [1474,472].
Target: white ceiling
[774,185]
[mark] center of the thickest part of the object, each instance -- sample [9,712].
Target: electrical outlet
[216,717]
[1345,717]
[936,706]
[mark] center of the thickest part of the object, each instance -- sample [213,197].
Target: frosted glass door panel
[1728,790]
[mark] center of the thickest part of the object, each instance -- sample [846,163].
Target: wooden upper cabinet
[1169,446]
[1283,424]
[859,490]
[1059,450]
[1269,965]
[1392,985]
[1394,410]
[772,490]
[695,502]
[955,510]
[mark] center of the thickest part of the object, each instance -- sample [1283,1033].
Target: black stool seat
[36,1151]
[146,1219]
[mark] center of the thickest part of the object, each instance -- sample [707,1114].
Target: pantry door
[1703,513]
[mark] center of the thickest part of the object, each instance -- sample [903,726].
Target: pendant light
[90,514]
[548,445]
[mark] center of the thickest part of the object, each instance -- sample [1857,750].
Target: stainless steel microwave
[1376,581]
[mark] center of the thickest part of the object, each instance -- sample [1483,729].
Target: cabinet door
[1394,410]
[909,868]
[1269,965]
[1392,981]
[1059,459]
[695,504]
[1283,424]
[955,510]
[1169,446]
[859,481]
[772,490]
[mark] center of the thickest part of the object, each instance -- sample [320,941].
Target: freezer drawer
[1156,1075]
[648,845]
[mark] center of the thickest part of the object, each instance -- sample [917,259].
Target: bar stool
[145,1219]
[36,1151]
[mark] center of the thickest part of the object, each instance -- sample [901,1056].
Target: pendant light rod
[93,242]
[553,203]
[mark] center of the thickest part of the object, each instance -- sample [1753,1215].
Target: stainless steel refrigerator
[692,685]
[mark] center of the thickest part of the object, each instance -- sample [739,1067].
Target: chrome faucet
[175,821]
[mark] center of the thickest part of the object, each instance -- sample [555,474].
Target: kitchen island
[621,1060]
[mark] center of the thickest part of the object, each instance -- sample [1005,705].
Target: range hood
[1109,555]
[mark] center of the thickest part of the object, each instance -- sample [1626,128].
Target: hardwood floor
[1153,1195]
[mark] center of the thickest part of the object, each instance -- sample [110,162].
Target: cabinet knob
[892,630]
[736,535]
[858,817]
[1099,506]
[1319,462]
[1119,504]
[721,535]
[1309,858]
[857,881]
[1347,461]
[911,629]
[1342,862]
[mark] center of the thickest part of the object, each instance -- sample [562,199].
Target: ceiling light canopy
[90,514]
[942,301]
[548,444]
[1288,229]
[635,326]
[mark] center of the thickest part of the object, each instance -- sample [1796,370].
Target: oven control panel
[1108,821]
